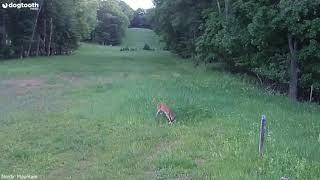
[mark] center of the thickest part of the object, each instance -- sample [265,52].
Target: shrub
[146,47]
[125,49]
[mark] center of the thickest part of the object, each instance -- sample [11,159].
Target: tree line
[113,18]
[142,18]
[57,27]
[277,41]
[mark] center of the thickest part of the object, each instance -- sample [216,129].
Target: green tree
[127,10]
[112,23]
[55,28]
[274,40]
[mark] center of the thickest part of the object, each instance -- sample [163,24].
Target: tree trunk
[293,71]
[219,8]
[17,20]
[226,10]
[21,52]
[50,37]
[38,45]
[45,36]
[3,31]
[33,31]
[54,51]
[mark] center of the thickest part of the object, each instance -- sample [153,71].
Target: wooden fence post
[311,92]
[263,129]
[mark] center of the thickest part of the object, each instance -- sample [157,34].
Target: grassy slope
[137,38]
[91,116]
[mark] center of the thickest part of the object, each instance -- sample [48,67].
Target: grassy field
[137,38]
[91,116]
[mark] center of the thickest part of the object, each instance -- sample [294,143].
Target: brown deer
[163,108]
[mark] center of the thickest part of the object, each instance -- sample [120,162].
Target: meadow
[91,116]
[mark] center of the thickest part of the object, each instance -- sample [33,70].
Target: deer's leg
[168,117]
[158,112]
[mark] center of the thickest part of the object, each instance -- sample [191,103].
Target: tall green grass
[138,37]
[92,117]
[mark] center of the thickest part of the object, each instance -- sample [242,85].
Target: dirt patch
[23,83]
[19,86]
[71,79]
[78,81]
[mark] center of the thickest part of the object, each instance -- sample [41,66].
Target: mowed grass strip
[91,116]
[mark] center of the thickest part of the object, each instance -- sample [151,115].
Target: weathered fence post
[311,93]
[263,129]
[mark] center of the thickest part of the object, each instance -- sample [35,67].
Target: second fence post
[263,129]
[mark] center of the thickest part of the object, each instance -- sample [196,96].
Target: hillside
[91,116]
[137,37]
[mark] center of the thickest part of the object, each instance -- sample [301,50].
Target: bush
[147,47]
[125,49]
[7,52]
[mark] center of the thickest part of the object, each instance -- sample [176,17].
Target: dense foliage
[277,41]
[113,19]
[57,27]
[140,19]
